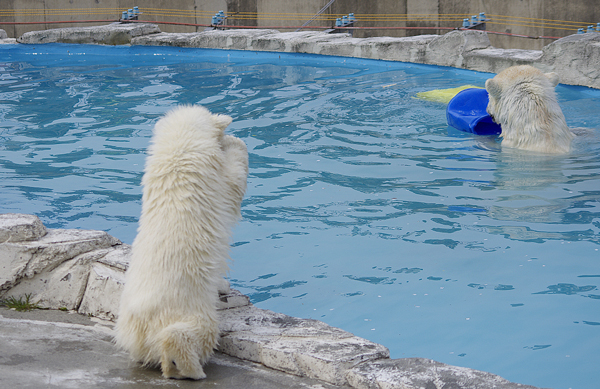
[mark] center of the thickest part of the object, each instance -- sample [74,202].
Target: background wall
[555,18]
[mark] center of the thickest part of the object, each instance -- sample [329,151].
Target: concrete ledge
[423,373]
[111,34]
[302,347]
[575,58]
[5,40]
[495,60]
[83,271]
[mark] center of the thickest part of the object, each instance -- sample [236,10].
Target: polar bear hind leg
[185,347]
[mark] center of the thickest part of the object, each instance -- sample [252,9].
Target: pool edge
[574,58]
[83,271]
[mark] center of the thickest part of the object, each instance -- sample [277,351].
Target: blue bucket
[467,112]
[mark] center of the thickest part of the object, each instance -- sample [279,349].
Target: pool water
[363,210]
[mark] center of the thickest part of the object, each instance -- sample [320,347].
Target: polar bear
[193,184]
[523,101]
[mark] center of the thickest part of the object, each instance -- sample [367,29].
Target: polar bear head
[188,128]
[523,101]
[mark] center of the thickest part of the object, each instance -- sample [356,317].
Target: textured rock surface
[575,58]
[104,284]
[495,60]
[18,227]
[5,40]
[413,373]
[111,34]
[29,262]
[298,346]
[449,49]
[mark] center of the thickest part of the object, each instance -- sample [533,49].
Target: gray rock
[421,373]
[60,287]
[230,39]
[298,346]
[575,58]
[103,291]
[213,39]
[308,42]
[409,49]
[5,40]
[449,49]
[112,34]
[18,227]
[20,260]
[495,60]
[232,299]
[165,39]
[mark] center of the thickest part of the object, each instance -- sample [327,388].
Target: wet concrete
[55,349]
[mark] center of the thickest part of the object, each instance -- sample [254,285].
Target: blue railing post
[131,13]
[476,22]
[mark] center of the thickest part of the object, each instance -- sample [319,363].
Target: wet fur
[523,102]
[194,181]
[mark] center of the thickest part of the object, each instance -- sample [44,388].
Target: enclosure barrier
[443,22]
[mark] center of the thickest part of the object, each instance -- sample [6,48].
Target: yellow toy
[443,95]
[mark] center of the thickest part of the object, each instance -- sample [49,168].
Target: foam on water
[363,209]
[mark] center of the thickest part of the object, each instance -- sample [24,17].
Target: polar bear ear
[493,88]
[553,77]
[221,121]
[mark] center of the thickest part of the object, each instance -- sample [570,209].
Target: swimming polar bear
[194,181]
[523,101]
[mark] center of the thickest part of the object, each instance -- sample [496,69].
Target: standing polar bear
[194,181]
[523,102]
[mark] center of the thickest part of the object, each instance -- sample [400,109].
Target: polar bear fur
[194,181]
[523,102]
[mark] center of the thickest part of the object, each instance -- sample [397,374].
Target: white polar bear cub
[523,102]
[194,181]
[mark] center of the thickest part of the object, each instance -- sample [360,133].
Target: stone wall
[576,58]
[266,13]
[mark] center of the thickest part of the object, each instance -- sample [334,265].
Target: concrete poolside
[82,271]
[50,348]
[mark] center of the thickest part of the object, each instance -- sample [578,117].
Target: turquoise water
[363,210]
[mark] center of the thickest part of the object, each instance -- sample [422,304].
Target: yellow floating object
[443,95]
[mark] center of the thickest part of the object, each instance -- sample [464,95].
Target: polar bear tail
[185,346]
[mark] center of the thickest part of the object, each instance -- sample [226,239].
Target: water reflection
[568,289]
[521,170]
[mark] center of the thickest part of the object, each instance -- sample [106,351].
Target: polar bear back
[523,101]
